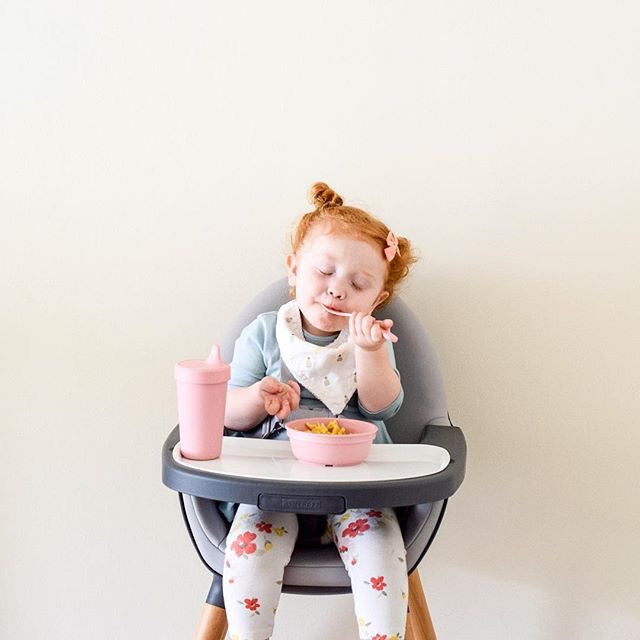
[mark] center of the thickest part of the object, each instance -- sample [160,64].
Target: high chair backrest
[424,399]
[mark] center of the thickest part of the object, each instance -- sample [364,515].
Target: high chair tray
[266,460]
[265,473]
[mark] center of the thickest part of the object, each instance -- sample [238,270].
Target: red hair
[329,209]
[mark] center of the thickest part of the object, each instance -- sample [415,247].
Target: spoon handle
[391,337]
[385,333]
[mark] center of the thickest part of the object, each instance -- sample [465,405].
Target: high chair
[419,502]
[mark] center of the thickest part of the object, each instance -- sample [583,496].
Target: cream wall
[153,156]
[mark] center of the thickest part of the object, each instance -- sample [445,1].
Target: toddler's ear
[292,269]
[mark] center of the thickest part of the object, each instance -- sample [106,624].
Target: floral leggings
[260,544]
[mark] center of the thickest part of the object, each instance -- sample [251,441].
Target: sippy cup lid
[213,370]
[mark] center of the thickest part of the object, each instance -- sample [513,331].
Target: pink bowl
[336,451]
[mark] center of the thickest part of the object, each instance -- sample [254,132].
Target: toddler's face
[339,272]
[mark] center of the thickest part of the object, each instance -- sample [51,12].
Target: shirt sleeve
[390,410]
[248,363]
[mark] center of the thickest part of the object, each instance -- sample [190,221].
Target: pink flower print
[379,637]
[374,514]
[355,528]
[251,603]
[243,544]
[378,583]
[264,526]
[342,549]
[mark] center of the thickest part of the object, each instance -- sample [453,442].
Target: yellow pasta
[331,428]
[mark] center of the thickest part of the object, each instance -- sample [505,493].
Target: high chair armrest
[448,437]
[452,439]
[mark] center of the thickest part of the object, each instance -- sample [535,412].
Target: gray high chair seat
[423,418]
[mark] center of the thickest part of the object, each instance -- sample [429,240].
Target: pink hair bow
[392,246]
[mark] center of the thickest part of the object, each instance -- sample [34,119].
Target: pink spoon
[386,334]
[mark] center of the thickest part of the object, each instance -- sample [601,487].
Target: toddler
[303,361]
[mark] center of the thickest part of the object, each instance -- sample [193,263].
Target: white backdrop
[153,157]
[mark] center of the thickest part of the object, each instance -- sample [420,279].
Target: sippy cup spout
[214,357]
[210,371]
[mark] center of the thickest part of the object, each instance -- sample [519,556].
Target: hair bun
[322,195]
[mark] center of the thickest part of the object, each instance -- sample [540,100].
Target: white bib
[328,372]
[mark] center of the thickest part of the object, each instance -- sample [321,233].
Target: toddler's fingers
[376,333]
[284,410]
[293,398]
[271,405]
[367,323]
[295,387]
[359,323]
[269,385]
[385,327]
[352,324]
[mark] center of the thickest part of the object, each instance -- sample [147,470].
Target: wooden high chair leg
[213,623]
[419,625]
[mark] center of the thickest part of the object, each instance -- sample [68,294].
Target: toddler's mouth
[335,312]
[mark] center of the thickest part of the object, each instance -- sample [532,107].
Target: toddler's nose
[335,292]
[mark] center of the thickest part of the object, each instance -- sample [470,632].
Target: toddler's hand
[366,332]
[279,399]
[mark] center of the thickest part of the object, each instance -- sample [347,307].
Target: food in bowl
[350,448]
[331,428]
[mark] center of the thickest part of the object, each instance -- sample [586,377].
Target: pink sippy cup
[202,396]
